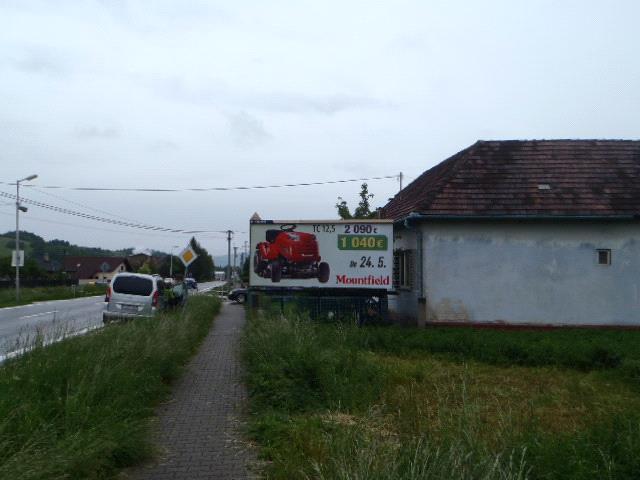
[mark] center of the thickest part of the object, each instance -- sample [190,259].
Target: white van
[132,295]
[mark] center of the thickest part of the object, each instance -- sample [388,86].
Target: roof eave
[416,216]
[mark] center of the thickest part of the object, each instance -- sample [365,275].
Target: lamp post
[171,261]
[19,208]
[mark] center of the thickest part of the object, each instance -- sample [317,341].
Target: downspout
[419,257]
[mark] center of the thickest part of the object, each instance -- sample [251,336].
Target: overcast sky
[189,94]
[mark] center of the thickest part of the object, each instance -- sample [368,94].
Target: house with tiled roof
[540,232]
[85,269]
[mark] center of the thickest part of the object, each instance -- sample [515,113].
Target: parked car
[133,295]
[238,295]
[169,282]
[191,283]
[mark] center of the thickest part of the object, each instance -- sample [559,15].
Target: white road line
[65,300]
[39,314]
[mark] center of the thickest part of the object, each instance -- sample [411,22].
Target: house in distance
[535,232]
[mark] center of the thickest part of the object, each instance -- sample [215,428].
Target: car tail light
[108,294]
[156,296]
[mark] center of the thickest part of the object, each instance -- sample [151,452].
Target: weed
[79,408]
[337,401]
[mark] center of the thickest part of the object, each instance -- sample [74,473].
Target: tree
[145,268]
[202,269]
[363,210]
[244,274]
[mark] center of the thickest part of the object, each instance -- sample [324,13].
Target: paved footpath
[198,428]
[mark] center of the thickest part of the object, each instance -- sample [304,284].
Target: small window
[604,256]
[403,269]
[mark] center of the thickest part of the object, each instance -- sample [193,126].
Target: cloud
[221,95]
[163,146]
[246,130]
[91,132]
[40,60]
[328,105]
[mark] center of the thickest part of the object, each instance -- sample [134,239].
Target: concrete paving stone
[198,428]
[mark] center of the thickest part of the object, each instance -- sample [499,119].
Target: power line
[105,220]
[209,189]
[87,227]
[82,205]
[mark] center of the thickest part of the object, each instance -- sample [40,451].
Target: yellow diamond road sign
[188,256]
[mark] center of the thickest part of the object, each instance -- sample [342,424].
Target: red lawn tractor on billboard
[286,253]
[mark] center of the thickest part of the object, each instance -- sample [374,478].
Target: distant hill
[37,247]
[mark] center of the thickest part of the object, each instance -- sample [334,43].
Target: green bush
[80,408]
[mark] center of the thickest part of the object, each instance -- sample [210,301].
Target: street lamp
[19,208]
[171,261]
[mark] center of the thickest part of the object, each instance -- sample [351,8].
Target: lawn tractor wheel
[258,265]
[276,272]
[323,272]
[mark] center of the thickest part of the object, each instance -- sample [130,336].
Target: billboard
[322,254]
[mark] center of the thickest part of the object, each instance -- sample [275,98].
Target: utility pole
[235,256]
[19,208]
[229,236]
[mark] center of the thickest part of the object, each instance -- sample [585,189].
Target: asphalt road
[55,319]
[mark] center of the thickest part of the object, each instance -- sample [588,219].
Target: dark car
[191,283]
[238,295]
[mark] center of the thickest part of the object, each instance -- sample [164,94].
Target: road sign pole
[229,232]
[18,241]
[235,257]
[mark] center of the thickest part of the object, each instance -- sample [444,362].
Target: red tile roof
[528,178]
[90,266]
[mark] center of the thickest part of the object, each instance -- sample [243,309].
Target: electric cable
[207,189]
[87,207]
[29,218]
[105,220]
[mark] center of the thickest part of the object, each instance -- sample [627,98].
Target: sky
[197,94]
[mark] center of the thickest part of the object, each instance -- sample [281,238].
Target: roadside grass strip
[334,401]
[42,294]
[80,408]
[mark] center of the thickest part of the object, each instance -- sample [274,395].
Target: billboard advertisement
[322,254]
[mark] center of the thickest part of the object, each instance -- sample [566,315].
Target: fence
[364,306]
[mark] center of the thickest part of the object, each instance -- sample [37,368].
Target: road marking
[39,314]
[65,300]
[21,351]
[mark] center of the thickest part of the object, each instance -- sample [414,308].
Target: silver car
[132,295]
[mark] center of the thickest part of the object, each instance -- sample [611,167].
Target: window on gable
[604,256]
[403,269]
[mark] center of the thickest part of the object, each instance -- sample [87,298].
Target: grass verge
[42,294]
[80,408]
[336,401]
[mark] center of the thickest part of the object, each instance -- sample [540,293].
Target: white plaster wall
[531,272]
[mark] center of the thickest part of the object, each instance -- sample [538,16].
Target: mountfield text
[368,280]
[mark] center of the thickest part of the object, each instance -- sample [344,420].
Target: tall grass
[336,401]
[80,408]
